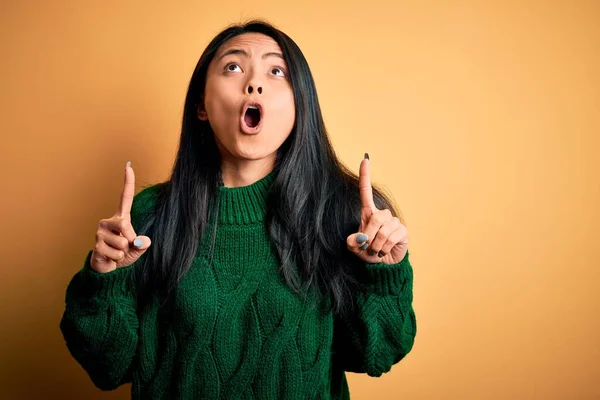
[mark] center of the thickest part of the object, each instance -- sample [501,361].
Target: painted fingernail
[361,238]
[138,243]
[380,254]
[364,246]
[367,156]
[372,252]
[128,164]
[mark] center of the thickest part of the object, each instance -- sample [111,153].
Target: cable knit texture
[234,330]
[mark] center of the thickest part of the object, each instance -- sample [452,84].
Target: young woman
[272,269]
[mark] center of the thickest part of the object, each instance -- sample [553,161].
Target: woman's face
[248,99]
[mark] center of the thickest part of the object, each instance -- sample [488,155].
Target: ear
[201,112]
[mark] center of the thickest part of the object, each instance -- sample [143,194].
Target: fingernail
[367,156]
[138,243]
[364,246]
[380,254]
[372,252]
[128,164]
[361,238]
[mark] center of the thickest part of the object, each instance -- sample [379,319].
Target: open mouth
[252,116]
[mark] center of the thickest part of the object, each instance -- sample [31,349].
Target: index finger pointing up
[128,192]
[364,184]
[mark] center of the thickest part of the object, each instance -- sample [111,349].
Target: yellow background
[482,118]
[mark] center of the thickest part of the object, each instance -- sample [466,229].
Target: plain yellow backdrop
[481,118]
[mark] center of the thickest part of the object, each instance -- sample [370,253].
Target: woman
[272,268]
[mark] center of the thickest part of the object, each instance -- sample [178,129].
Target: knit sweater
[236,329]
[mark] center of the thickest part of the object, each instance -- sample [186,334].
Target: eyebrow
[244,53]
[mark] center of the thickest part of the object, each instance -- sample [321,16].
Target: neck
[238,173]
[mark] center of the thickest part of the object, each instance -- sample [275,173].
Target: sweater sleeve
[380,330]
[100,323]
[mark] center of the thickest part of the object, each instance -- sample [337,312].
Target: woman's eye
[233,68]
[277,71]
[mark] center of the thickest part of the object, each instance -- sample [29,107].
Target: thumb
[138,247]
[357,242]
[141,244]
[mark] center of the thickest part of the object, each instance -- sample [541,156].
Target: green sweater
[236,330]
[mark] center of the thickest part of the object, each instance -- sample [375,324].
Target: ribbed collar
[245,204]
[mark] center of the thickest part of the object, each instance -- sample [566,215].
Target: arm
[100,323]
[381,329]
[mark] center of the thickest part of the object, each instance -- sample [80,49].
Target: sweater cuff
[390,279]
[92,284]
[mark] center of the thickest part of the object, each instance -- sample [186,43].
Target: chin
[253,151]
[252,148]
[249,153]
[252,155]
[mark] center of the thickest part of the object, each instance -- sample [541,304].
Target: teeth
[253,107]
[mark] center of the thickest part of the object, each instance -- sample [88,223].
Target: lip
[245,128]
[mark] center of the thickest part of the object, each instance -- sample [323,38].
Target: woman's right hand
[117,244]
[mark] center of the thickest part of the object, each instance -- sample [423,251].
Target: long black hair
[313,203]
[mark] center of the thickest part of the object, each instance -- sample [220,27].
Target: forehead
[252,43]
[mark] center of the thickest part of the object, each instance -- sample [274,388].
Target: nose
[251,88]
[254,82]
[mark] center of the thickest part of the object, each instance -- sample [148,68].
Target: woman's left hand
[381,237]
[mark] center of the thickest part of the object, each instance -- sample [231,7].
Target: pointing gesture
[128,192]
[364,186]
[381,237]
[117,244]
